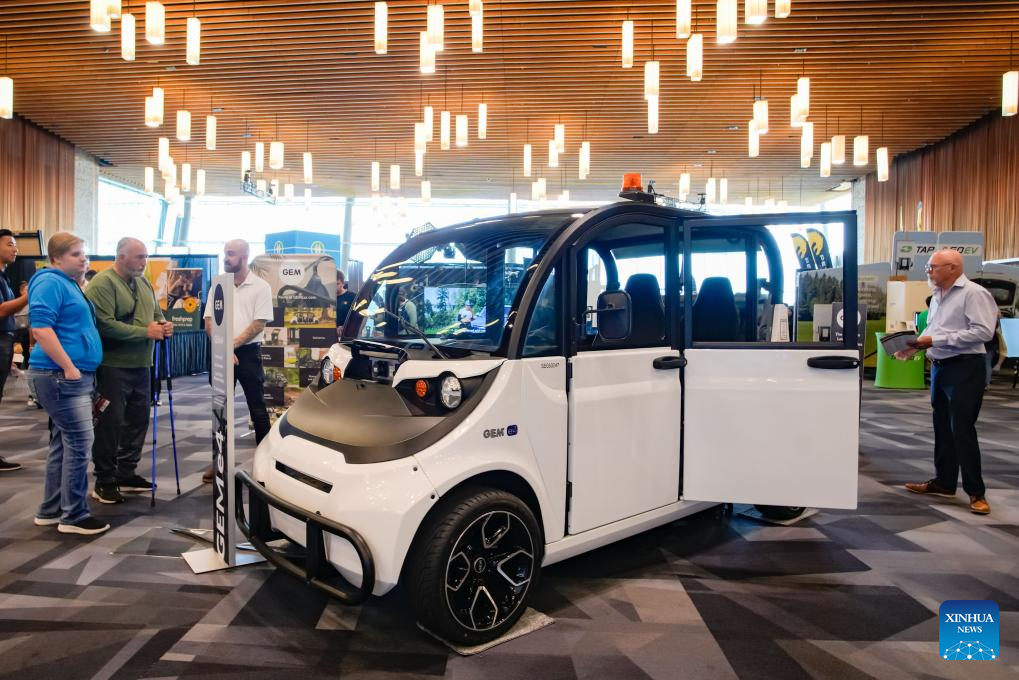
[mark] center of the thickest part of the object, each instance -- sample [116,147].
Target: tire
[486,543]
[780,512]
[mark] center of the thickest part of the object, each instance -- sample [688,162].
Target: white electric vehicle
[512,392]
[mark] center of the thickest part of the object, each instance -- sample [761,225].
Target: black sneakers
[134,484]
[89,526]
[7,466]
[107,493]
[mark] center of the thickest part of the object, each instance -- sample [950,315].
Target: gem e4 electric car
[512,392]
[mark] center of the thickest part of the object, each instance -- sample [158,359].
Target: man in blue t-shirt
[9,306]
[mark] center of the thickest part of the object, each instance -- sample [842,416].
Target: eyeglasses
[931,267]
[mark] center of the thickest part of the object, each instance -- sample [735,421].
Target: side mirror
[614,315]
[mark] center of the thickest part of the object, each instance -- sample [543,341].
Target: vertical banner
[183,300]
[222,301]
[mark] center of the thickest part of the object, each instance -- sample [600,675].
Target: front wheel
[474,566]
[780,512]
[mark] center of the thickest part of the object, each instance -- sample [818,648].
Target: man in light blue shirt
[962,318]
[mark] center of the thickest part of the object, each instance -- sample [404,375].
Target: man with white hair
[962,317]
[252,310]
[129,321]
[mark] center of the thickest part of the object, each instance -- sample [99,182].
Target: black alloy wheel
[780,512]
[475,566]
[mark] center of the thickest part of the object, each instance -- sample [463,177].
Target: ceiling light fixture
[806,144]
[652,83]
[683,19]
[1010,84]
[444,130]
[436,28]
[861,146]
[427,55]
[726,21]
[462,134]
[429,120]
[381,27]
[426,191]
[150,179]
[723,191]
[193,54]
[158,101]
[419,163]
[99,18]
[200,182]
[245,164]
[185,177]
[553,154]
[761,107]
[709,191]
[695,57]
[419,137]
[882,156]
[127,37]
[482,120]
[477,32]
[627,44]
[155,23]
[559,136]
[394,177]
[838,146]
[259,156]
[376,180]
[113,8]
[184,125]
[783,8]
[276,149]
[753,139]
[684,186]
[756,12]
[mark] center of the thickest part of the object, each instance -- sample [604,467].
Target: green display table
[895,374]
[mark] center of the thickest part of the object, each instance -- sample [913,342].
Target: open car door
[771,413]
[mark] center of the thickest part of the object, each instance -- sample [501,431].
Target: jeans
[6,356]
[121,430]
[69,405]
[248,372]
[957,392]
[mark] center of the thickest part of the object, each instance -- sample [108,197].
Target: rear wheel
[780,512]
[474,566]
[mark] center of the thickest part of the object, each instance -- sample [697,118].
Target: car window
[542,337]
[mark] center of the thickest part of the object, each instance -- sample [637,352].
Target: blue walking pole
[155,424]
[169,392]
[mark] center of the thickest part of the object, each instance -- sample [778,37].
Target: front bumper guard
[313,567]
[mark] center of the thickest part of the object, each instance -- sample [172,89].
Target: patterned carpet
[839,595]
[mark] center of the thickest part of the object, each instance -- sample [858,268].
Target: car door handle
[669,363]
[833,362]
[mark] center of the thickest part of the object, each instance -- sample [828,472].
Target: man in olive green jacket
[129,321]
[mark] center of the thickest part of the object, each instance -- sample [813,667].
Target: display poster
[222,379]
[303,326]
[838,323]
[182,302]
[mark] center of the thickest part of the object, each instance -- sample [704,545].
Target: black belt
[957,358]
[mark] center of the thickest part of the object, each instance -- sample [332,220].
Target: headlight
[450,392]
[328,372]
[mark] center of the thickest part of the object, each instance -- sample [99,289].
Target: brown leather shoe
[208,475]
[978,505]
[931,488]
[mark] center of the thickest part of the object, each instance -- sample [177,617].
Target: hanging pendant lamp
[376,179]
[193,54]
[394,177]
[527,160]
[419,137]
[783,8]
[756,12]
[838,150]
[882,164]
[627,44]
[152,120]
[150,180]
[1010,84]
[482,120]
[308,175]
[652,115]
[436,28]
[200,182]
[444,131]
[477,33]
[584,164]
[462,134]
[559,135]
[726,21]
[419,164]
[164,152]
[861,146]
[683,18]
[513,201]
[426,191]
[684,186]
[695,57]
[825,159]
[709,190]
[429,120]
[803,93]
[553,154]
[381,27]
[542,189]
[723,191]
[245,163]
[753,139]
[210,133]
[184,126]
[113,8]
[127,37]
[761,116]
[259,156]
[806,144]
[797,112]
[288,192]
[158,102]
[427,55]
[652,71]
[260,187]
[276,155]
[6,98]
[185,177]
[155,23]
[564,198]
[99,19]
[169,191]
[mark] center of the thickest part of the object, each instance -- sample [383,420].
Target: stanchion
[169,394]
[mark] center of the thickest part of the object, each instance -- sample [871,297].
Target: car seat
[715,317]
[647,325]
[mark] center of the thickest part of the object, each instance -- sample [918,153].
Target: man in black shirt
[9,306]
[344,298]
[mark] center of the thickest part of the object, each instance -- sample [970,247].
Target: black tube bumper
[314,568]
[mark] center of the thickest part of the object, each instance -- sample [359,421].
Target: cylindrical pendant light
[394,177]
[113,8]
[376,178]
[420,145]
[436,28]
[527,160]
[99,19]
[861,150]
[796,117]
[419,163]
[461,130]
[184,126]
[482,121]
[155,23]
[559,135]
[564,197]
[193,54]
[426,55]
[260,187]
[6,98]
[169,191]
[150,180]
[200,182]
[542,189]
[308,176]
[695,57]
[477,33]
[753,139]
[381,27]
[1010,93]
[245,163]
[652,70]
[825,159]
[628,44]
[882,164]
[429,120]
[158,102]
[171,173]
[426,191]
[709,190]
[444,119]
[259,156]
[838,150]
[803,92]
[512,202]
[276,155]
[288,192]
[683,18]
[761,116]
[684,186]
[553,154]
[164,151]
[584,165]
[210,133]
[185,177]
[806,144]
[475,7]
[769,202]
[756,12]
[783,8]
[726,21]
[652,115]
[152,119]
[723,191]
[534,190]
[127,37]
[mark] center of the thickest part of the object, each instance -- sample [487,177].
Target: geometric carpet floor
[842,594]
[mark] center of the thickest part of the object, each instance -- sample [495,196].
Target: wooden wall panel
[967,182]
[36,179]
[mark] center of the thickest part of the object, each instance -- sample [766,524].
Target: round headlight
[327,371]
[450,392]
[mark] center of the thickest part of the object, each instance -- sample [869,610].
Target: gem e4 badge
[968,630]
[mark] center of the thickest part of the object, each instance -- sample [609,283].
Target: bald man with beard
[963,316]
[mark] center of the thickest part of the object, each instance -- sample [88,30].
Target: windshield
[457,285]
[1003,291]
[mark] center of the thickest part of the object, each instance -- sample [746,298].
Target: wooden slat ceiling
[926,68]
